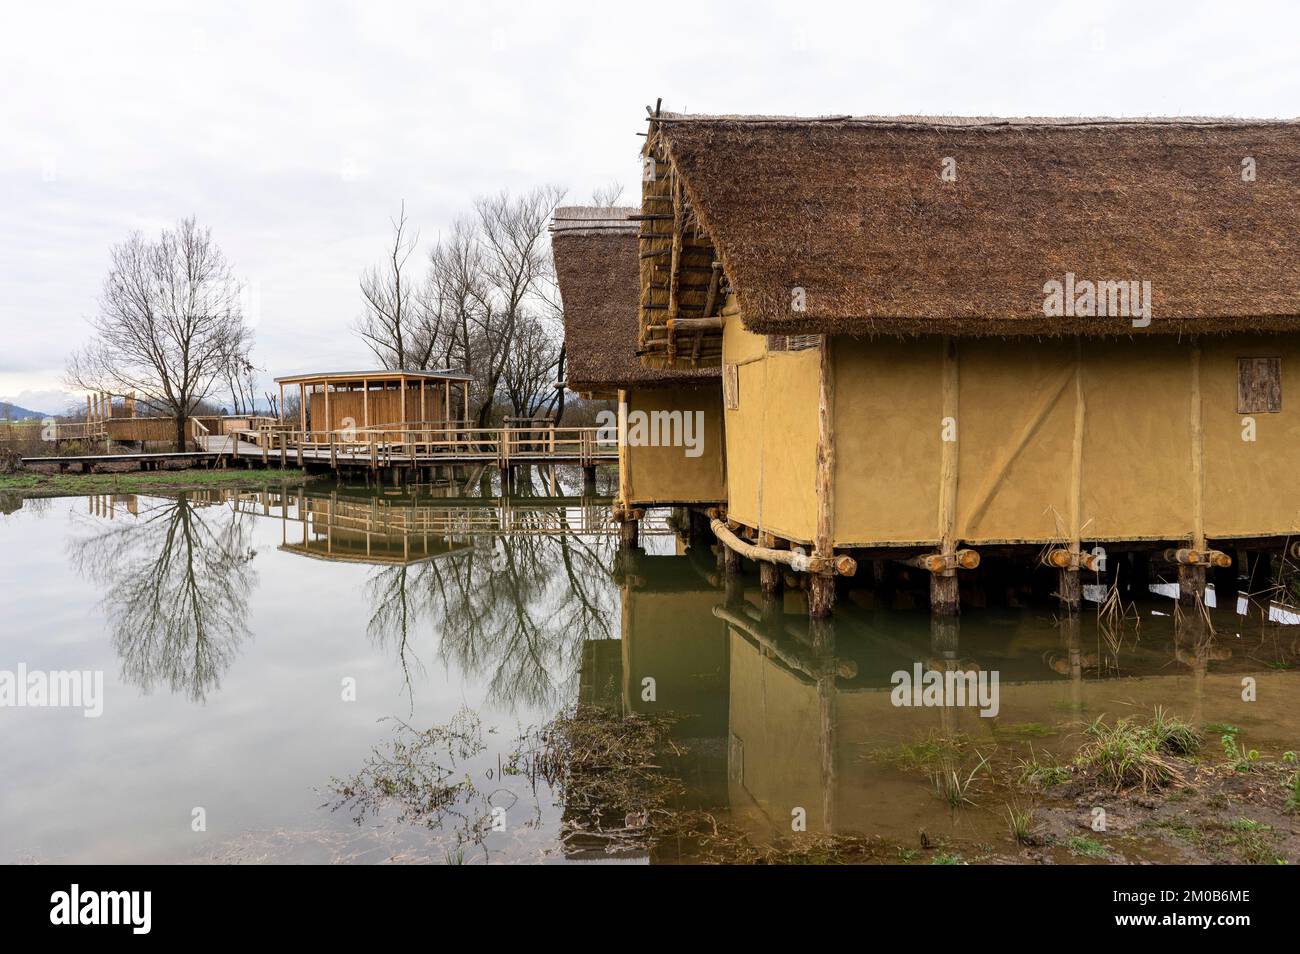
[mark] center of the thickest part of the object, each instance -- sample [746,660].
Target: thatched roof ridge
[598,269]
[854,211]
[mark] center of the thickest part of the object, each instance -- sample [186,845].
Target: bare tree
[388,293]
[531,363]
[519,272]
[489,291]
[607,196]
[169,326]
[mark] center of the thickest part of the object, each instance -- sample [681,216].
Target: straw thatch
[856,213]
[597,267]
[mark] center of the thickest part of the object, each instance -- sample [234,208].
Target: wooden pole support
[1063,559]
[1187,556]
[940,563]
[795,558]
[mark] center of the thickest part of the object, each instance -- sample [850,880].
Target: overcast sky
[295,130]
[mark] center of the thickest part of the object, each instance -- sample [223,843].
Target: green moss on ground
[26,485]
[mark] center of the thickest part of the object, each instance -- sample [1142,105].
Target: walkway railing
[385,446]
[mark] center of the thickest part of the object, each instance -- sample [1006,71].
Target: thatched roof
[855,212]
[597,265]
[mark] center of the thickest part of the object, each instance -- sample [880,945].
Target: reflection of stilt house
[596,261]
[935,336]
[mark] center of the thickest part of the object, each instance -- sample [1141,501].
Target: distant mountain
[12,412]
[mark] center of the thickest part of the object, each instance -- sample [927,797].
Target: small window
[731,387]
[802,342]
[1259,385]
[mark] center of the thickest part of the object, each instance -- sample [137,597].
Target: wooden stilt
[821,591]
[945,595]
[771,579]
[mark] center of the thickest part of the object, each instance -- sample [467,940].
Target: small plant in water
[1020,822]
[951,786]
[1044,772]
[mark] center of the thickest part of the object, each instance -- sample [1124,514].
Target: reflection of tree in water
[176,583]
[516,610]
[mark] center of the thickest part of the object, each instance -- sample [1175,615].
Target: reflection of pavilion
[365,531]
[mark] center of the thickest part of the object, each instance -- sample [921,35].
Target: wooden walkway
[419,447]
[373,449]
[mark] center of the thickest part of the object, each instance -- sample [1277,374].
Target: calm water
[231,628]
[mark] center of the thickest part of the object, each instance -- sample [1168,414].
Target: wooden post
[945,598]
[1191,578]
[329,417]
[465,387]
[771,579]
[302,406]
[365,404]
[401,398]
[422,413]
[624,465]
[821,593]
[281,383]
[1068,588]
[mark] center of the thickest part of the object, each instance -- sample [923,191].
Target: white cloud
[294,130]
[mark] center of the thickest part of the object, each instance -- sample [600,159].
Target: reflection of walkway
[381,530]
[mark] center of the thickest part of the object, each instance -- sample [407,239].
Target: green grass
[926,754]
[1241,758]
[1084,847]
[1026,730]
[946,858]
[1251,839]
[1044,772]
[25,485]
[1135,754]
[1293,793]
[1220,728]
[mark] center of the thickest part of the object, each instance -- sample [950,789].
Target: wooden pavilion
[361,400]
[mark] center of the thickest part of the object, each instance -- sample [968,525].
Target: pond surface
[262,652]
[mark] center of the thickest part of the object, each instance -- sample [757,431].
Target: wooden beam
[675,275]
[1198,450]
[624,469]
